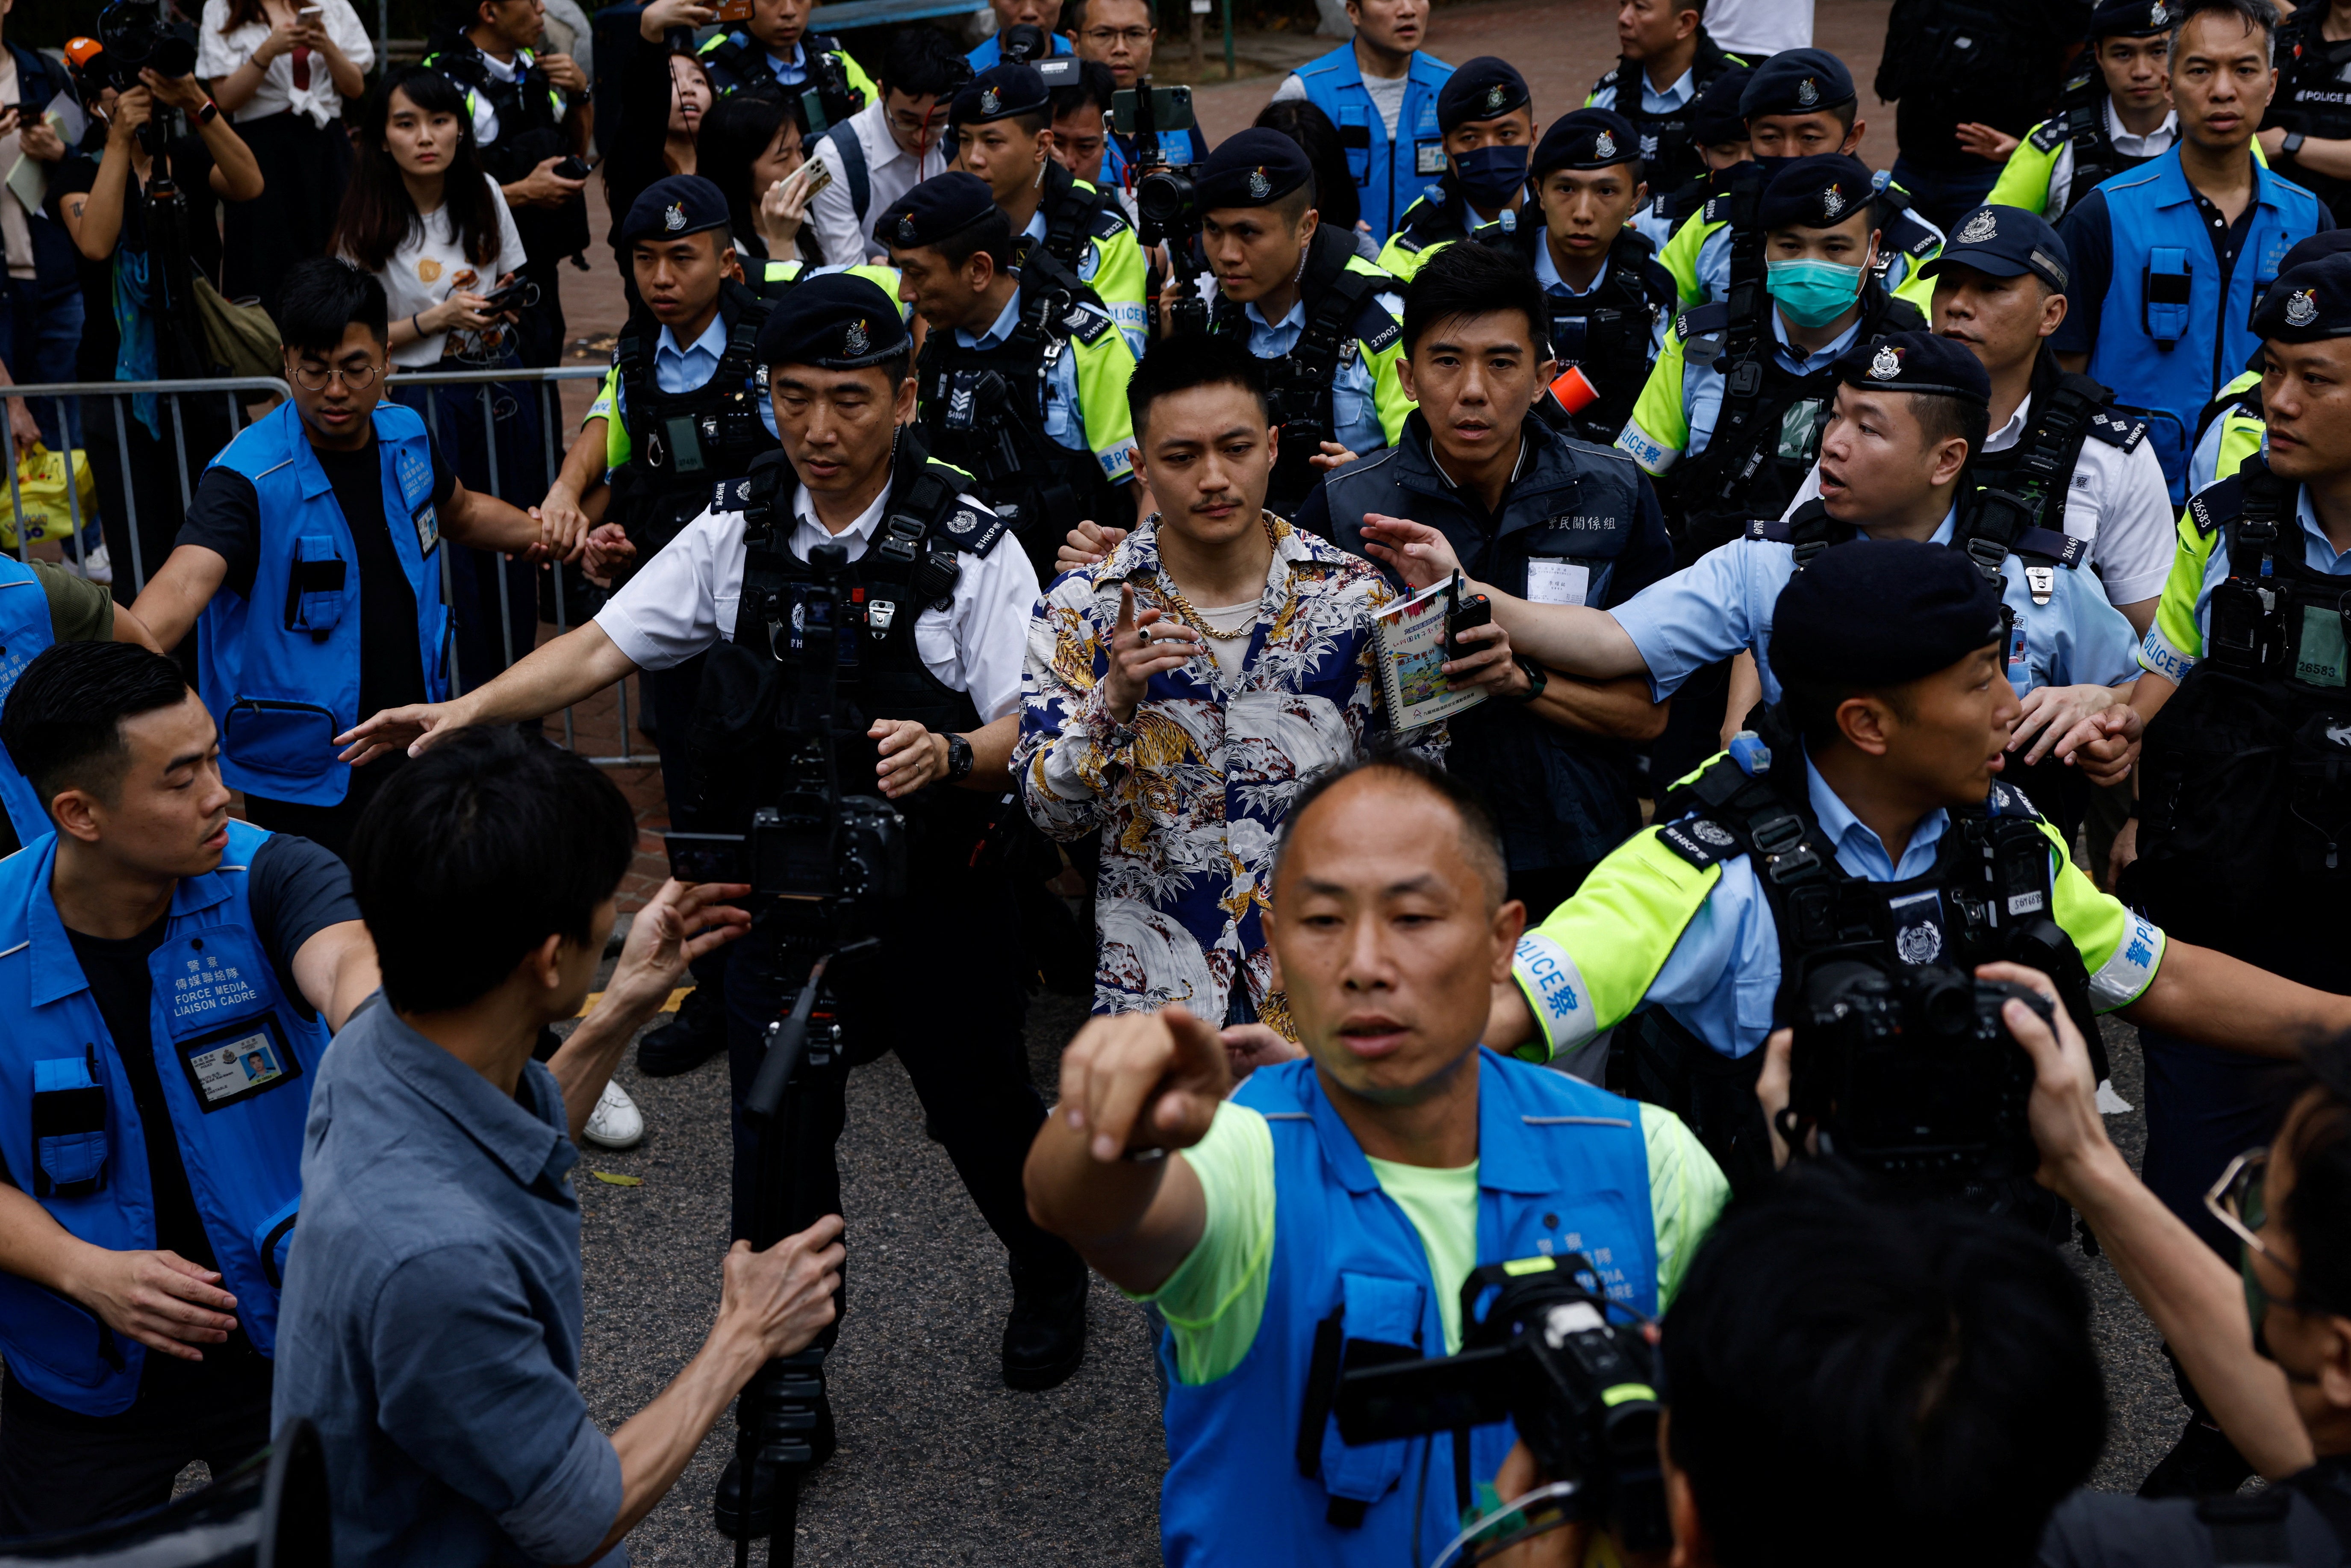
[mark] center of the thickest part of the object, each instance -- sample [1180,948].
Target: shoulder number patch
[1698,840]
[2117,429]
[2049,135]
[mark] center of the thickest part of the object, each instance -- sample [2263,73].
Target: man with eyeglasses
[887,148]
[1120,34]
[321,521]
[2267,1344]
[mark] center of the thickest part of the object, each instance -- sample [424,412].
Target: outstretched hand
[1141,646]
[1143,1081]
[418,727]
[681,923]
[1418,553]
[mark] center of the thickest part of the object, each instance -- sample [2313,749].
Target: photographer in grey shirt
[431,1325]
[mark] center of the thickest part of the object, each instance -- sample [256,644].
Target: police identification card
[1558,581]
[2319,657]
[237,1062]
[1796,427]
[1429,158]
[428,528]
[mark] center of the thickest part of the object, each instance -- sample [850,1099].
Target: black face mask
[1489,177]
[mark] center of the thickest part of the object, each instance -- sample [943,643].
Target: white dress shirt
[219,53]
[2154,144]
[684,600]
[844,231]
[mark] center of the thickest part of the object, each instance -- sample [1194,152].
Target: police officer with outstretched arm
[929,711]
[1869,800]
[1325,321]
[1023,375]
[150,1173]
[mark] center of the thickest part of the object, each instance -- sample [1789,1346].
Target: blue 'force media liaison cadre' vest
[1389,173]
[1562,1168]
[280,668]
[26,632]
[2166,336]
[235,1059]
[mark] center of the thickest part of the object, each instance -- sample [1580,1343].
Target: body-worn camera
[1545,1354]
[1910,1072]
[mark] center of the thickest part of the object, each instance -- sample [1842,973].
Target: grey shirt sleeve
[466,1389]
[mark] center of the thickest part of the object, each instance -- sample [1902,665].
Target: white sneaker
[97,568]
[616,1122]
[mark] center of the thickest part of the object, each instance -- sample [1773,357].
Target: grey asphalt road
[939,1463]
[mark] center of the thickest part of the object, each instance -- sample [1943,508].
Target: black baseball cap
[2005,242]
[1873,612]
[1917,362]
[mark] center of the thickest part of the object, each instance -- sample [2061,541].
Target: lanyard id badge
[232,1065]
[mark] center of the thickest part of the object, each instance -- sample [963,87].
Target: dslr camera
[1547,1354]
[135,36]
[1909,1072]
[1167,203]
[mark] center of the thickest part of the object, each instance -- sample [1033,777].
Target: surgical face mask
[1813,293]
[1490,176]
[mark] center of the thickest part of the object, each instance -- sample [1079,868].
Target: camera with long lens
[139,35]
[1024,43]
[1166,202]
[1573,1372]
[1909,1071]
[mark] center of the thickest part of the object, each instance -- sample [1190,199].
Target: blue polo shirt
[431,1317]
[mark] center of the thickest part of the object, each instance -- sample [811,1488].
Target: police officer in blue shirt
[773,52]
[1664,46]
[311,553]
[149,1165]
[2170,259]
[1719,136]
[1381,91]
[1488,120]
[1909,413]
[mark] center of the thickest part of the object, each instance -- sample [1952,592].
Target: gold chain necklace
[1193,618]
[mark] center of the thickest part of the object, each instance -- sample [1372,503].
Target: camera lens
[1163,198]
[1944,1004]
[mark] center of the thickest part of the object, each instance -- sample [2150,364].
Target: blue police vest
[235,1060]
[1562,1168]
[2168,335]
[280,668]
[26,631]
[1390,175]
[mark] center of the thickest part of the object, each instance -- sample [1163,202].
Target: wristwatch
[959,758]
[2291,147]
[1537,678]
[210,112]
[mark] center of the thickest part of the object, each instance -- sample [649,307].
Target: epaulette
[1609,80]
[1375,329]
[2048,136]
[1769,530]
[1700,841]
[1913,235]
[1086,324]
[1110,222]
[731,495]
[969,525]
[2007,801]
[1717,209]
[2117,428]
[2216,503]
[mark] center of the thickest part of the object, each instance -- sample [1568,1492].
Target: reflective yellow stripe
[1591,961]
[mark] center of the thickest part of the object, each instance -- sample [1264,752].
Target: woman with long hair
[748,146]
[428,219]
[281,70]
[658,87]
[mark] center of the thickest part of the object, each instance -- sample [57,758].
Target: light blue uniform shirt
[677,369]
[1722,603]
[791,72]
[2317,553]
[1547,274]
[1702,385]
[1065,419]
[1138,337]
[1355,415]
[1713,260]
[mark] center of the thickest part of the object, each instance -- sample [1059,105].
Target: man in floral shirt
[1181,690]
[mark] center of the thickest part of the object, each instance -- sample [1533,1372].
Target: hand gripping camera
[1546,1354]
[1909,1072]
[1167,205]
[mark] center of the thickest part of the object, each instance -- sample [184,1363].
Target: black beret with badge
[1587,139]
[834,321]
[2308,303]
[1816,193]
[1917,362]
[2133,18]
[998,93]
[1482,89]
[1882,612]
[2005,242]
[1254,168]
[673,207]
[941,205]
[1796,81]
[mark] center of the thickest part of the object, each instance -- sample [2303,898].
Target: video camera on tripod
[830,859]
[1167,203]
[1547,1355]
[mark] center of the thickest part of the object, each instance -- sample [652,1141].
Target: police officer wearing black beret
[1609,299]
[1665,66]
[2113,114]
[929,696]
[1489,124]
[1325,321]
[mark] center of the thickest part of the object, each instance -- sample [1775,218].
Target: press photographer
[1325,1216]
[432,1321]
[927,686]
[144,216]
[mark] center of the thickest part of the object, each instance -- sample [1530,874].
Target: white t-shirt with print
[428,269]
